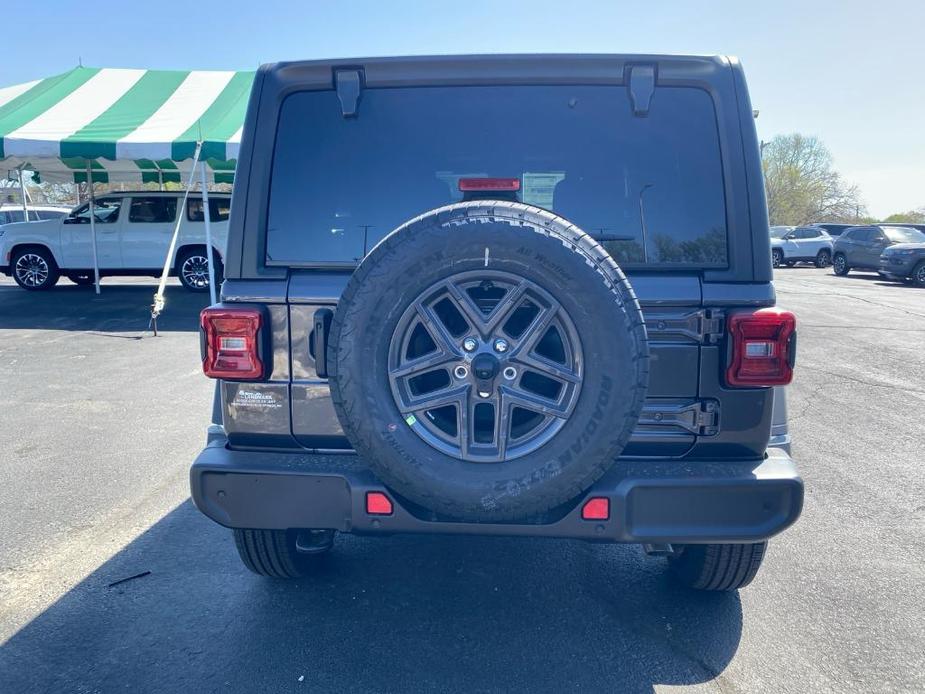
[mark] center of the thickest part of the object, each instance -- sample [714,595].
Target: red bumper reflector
[489,184]
[597,508]
[378,504]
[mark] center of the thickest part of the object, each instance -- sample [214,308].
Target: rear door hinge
[700,418]
[711,325]
[702,325]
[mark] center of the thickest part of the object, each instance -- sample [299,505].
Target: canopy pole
[207,214]
[96,264]
[158,306]
[22,195]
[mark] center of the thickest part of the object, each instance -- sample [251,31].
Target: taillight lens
[231,347]
[763,348]
[489,185]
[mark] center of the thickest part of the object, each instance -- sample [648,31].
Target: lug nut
[510,373]
[460,371]
[500,345]
[484,394]
[469,344]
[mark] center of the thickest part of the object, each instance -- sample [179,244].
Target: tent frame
[160,302]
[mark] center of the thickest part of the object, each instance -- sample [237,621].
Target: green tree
[802,185]
[910,217]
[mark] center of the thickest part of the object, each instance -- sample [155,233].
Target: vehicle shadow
[386,614]
[117,309]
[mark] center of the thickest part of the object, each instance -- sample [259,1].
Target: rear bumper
[650,502]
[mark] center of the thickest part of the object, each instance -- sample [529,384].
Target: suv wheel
[840,265]
[777,257]
[918,275]
[489,360]
[34,268]
[193,269]
[281,553]
[824,258]
[717,567]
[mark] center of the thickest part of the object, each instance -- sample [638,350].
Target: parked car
[832,229]
[133,233]
[10,214]
[441,320]
[908,225]
[860,248]
[905,261]
[800,244]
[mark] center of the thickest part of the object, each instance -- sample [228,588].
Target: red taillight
[378,504]
[231,343]
[763,348]
[597,508]
[489,185]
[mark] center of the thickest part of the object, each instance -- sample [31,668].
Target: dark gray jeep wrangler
[502,295]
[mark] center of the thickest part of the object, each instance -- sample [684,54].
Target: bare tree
[802,186]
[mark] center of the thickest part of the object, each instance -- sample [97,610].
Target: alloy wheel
[485,366]
[195,271]
[32,270]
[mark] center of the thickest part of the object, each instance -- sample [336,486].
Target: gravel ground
[101,421]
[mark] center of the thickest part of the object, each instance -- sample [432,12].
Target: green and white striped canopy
[131,125]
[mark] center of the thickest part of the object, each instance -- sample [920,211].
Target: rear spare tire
[488,360]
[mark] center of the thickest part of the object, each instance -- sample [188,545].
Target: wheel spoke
[423,364]
[452,395]
[473,315]
[536,330]
[438,331]
[547,368]
[535,403]
[509,302]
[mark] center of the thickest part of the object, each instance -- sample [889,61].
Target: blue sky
[850,72]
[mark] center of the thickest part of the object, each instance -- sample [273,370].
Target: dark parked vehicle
[905,262]
[908,225]
[438,316]
[860,248]
[833,230]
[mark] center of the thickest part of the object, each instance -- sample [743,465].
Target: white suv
[809,244]
[133,232]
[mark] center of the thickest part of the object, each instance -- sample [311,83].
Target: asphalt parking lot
[100,421]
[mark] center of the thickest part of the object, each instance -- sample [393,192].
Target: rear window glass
[153,210]
[219,209]
[651,188]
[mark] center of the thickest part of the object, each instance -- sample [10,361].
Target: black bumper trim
[650,502]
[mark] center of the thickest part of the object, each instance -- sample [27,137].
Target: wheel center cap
[485,367]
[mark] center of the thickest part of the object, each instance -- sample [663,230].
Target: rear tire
[840,265]
[717,567]
[823,258]
[918,275]
[273,553]
[777,257]
[34,268]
